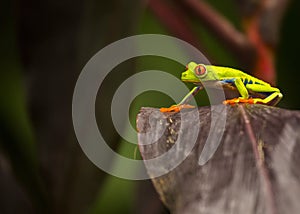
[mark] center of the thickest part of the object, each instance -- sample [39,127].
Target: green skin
[242,82]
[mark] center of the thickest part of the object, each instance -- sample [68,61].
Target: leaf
[254,169]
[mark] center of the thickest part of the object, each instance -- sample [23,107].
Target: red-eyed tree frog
[247,88]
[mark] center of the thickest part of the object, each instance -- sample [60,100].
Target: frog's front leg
[183,104]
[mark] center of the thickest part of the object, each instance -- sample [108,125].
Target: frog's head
[197,73]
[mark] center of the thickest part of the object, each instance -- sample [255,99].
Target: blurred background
[44,46]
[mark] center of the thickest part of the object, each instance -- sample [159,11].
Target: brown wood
[256,168]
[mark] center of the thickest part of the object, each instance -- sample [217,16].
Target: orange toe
[176,108]
[170,109]
[239,100]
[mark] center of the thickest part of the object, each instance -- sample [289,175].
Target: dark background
[44,46]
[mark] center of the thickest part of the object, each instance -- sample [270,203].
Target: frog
[239,87]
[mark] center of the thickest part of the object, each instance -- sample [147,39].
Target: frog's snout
[188,76]
[184,76]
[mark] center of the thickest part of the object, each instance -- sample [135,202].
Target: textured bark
[255,169]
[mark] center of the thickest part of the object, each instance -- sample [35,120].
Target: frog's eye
[200,70]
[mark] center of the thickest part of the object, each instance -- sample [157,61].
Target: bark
[255,168]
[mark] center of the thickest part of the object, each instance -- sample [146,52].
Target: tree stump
[254,168]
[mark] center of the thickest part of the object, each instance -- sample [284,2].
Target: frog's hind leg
[275,93]
[269,99]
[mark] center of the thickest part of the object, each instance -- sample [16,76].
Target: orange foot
[239,100]
[176,108]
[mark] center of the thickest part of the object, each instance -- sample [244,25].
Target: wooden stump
[255,168]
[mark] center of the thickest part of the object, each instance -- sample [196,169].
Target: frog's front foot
[176,108]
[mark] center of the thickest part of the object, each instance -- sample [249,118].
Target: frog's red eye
[200,70]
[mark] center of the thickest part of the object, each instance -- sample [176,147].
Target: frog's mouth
[191,81]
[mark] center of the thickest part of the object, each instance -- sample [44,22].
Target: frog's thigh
[241,88]
[261,88]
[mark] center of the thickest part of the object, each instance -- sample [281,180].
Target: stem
[236,41]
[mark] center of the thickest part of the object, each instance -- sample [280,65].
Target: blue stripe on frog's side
[244,80]
[228,80]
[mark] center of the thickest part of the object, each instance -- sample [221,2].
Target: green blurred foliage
[287,58]
[17,141]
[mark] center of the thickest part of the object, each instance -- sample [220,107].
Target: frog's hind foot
[240,100]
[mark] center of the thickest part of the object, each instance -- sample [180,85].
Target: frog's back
[229,73]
